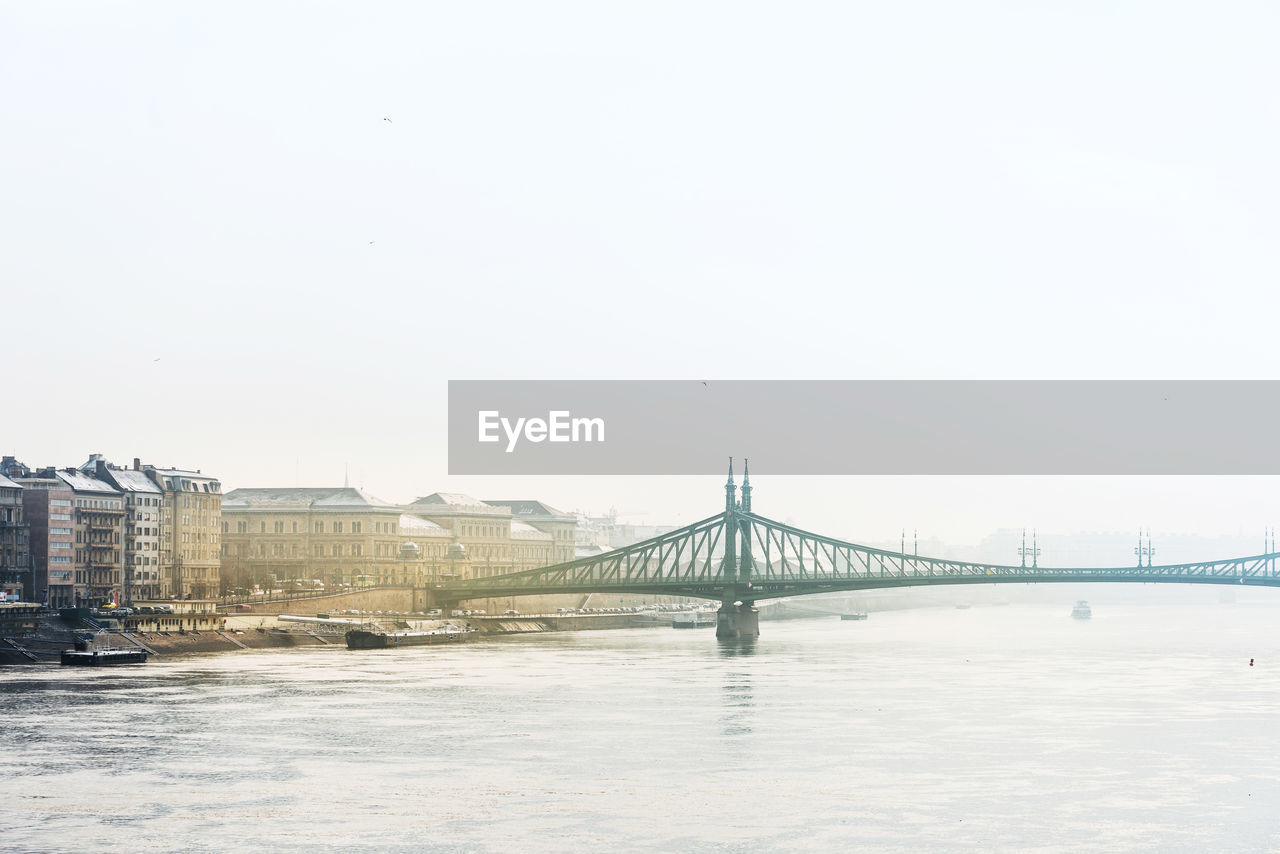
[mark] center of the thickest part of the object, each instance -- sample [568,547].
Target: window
[226,527]
[242,527]
[294,526]
[319,527]
[357,550]
[278,527]
[337,527]
[337,550]
[357,527]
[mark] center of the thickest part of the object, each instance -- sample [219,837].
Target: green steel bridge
[739,558]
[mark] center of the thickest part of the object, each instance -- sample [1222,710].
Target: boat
[103,657]
[379,638]
[1081,611]
[695,620]
[859,615]
[86,655]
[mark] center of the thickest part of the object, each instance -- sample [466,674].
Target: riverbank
[256,632]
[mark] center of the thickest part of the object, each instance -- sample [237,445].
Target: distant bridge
[740,558]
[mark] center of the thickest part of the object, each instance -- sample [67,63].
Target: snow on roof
[189,475]
[298,496]
[422,527]
[81,482]
[457,498]
[528,507]
[4,481]
[457,501]
[521,531]
[133,481]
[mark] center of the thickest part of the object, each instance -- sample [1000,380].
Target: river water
[1005,728]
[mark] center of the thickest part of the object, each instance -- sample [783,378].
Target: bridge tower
[744,525]
[729,568]
[736,621]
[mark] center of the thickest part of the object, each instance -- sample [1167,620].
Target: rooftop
[181,473]
[529,507]
[81,482]
[456,502]
[133,481]
[324,497]
[4,481]
[521,531]
[414,525]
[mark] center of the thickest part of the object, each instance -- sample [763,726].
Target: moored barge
[380,639]
[103,657]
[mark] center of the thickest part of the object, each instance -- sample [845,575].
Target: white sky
[642,190]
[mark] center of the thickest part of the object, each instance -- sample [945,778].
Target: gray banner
[864,427]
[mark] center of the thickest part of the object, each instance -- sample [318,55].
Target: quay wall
[54,636]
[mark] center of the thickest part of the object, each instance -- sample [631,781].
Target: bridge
[739,558]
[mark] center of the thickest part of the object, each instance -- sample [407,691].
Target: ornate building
[329,535]
[190,527]
[543,517]
[341,536]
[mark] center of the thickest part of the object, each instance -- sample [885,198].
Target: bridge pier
[735,622]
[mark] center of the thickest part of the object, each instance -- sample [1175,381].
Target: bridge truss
[738,556]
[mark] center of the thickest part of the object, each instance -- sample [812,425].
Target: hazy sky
[627,190]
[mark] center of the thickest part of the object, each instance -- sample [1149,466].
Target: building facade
[500,536]
[326,535]
[561,526]
[143,509]
[98,525]
[15,543]
[190,532]
[47,506]
[341,536]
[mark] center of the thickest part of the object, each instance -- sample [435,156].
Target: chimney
[137,464]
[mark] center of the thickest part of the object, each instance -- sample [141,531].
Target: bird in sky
[385,119]
[156,359]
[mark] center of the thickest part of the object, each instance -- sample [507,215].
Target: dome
[409,549]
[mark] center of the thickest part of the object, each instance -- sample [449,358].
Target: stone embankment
[252,631]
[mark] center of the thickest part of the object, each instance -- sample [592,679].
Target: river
[1144,728]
